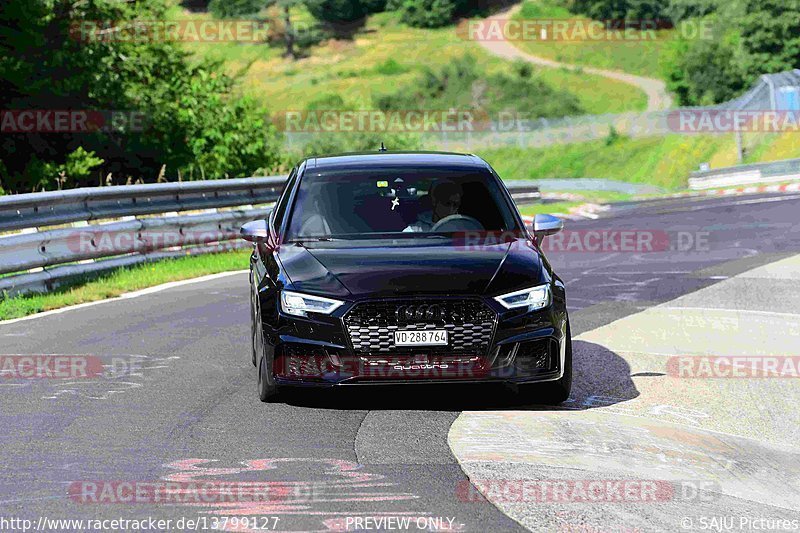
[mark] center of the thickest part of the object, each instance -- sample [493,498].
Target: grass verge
[129,279]
[573,199]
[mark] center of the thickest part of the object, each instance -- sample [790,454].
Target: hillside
[381,56]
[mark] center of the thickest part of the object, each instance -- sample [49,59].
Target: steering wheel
[457,223]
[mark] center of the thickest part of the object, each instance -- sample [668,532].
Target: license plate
[428,337]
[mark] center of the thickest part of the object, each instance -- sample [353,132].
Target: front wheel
[253,331]
[552,392]
[268,390]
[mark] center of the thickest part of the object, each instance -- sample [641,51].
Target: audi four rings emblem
[419,313]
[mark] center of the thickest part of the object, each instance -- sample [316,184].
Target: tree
[251,8]
[51,60]
[337,11]
[236,8]
[429,13]
[705,72]
[770,31]
[751,38]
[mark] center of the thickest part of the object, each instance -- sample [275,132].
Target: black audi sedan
[398,267]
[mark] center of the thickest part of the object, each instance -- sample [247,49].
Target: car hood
[403,270]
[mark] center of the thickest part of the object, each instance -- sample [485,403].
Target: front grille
[469,323]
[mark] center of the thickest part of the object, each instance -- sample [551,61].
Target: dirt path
[657,96]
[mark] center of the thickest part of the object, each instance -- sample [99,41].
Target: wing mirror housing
[545,225]
[255,231]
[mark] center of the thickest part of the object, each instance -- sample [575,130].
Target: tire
[551,392]
[268,389]
[253,331]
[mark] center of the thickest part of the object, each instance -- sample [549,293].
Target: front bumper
[522,347]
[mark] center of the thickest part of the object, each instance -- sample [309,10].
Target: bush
[461,85]
[705,72]
[428,13]
[390,67]
[752,37]
[770,31]
[679,10]
[620,9]
[523,69]
[326,101]
[235,8]
[338,11]
[374,6]
[613,136]
[42,175]
[339,143]
[196,125]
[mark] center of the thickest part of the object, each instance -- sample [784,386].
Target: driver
[445,200]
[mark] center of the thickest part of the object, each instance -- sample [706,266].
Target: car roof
[364,160]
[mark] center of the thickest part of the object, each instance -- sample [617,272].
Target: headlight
[533,298]
[294,303]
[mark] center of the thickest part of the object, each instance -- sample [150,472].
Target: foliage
[359,141]
[463,86]
[235,8]
[620,9]
[196,125]
[613,136]
[679,10]
[435,13]
[662,161]
[337,11]
[770,31]
[111,284]
[705,72]
[751,38]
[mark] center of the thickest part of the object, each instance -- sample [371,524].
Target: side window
[283,201]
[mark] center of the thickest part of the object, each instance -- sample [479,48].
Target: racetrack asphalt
[177,401]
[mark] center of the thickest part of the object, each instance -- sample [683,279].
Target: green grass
[576,199]
[384,55]
[123,280]
[548,208]
[661,161]
[644,57]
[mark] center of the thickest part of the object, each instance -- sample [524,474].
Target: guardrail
[125,231]
[786,170]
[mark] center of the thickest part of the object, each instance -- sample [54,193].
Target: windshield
[401,202]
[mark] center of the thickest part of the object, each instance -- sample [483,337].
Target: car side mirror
[255,231]
[544,225]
